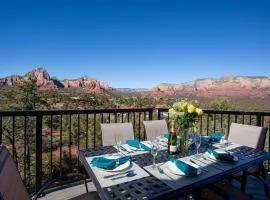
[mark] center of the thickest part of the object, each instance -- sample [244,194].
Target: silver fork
[162,172]
[211,160]
[198,165]
[216,165]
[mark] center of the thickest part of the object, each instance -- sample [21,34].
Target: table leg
[266,189]
[244,181]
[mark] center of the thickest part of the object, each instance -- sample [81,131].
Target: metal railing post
[151,114]
[159,114]
[258,120]
[38,151]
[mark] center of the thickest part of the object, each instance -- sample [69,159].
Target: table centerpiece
[183,117]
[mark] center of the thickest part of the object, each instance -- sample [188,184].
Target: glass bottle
[172,142]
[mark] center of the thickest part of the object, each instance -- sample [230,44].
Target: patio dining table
[159,183]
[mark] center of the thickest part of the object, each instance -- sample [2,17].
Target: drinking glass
[159,135]
[224,139]
[190,137]
[118,142]
[198,140]
[154,151]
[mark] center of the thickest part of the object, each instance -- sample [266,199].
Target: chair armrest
[51,181]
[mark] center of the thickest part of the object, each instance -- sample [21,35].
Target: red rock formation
[44,81]
[8,81]
[225,86]
[89,84]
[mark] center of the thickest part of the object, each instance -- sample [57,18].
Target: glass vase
[185,141]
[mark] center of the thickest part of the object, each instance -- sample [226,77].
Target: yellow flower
[171,112]
[182,106]
[191,108]
[199,111]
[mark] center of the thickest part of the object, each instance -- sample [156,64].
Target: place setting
[217,158]
[183,169]
[131,145]
[118,167]
[219,139]
[173,169]
[138,147]
[115,169]
[192,167]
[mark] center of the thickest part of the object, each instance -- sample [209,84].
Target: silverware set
[196,163]
[247,152]
[162,171]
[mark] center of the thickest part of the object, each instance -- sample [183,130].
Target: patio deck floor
[254,189]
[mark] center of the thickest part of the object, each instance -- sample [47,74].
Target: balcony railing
[44,144]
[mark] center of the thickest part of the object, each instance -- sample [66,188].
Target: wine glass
[198,140]
[118,142]
[154,151]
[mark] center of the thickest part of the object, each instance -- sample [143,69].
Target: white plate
[235,158]
[122,167]
[206,138]
[164,140]
[136,149]
[175,170]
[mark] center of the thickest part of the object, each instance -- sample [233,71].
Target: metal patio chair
[12,187]
[155,128]
[108,131]
[254,137]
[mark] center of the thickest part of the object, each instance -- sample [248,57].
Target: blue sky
[136,43]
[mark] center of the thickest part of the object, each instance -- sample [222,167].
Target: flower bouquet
[183,117]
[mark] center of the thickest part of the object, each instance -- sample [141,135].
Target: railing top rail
[68,112]
[117,110]
[232,112]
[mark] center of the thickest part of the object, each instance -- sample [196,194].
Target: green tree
[222,104]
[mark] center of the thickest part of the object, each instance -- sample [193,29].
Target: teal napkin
[166,135]
[106,163]
[215,137]
[222,156]
[184,167]
[136,144]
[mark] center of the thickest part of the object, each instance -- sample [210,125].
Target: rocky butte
[44,81]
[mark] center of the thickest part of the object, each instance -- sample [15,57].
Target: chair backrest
[155,128]
[248,135]
[11,185]
[125,131]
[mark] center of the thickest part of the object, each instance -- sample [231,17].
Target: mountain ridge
[223,86]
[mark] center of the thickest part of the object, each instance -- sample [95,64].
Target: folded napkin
[137,144]
[107,163]
[166,135]
[184,167]
[222,156]
[215,137]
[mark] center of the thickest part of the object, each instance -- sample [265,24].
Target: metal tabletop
[151,187]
